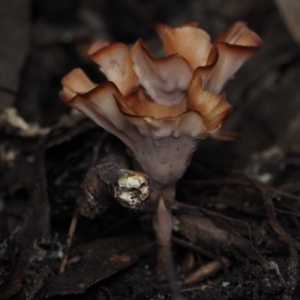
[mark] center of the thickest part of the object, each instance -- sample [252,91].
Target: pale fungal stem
[206,271]
[160,108]
[162,224]
[111,179]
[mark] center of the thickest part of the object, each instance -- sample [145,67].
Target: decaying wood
[201,230]
[111,179]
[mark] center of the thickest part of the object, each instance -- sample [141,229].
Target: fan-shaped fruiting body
[161,107]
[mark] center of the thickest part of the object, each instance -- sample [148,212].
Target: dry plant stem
[206,271]
[282,211]
[267,196]
[238,181]
[193,247]
[112,179]
[240,242]
[108,292]
[288,239]
[293,244]
[69,241]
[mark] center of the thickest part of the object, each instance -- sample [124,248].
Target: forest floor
[237,211]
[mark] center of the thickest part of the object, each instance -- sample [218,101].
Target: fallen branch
[197,228]
[288,239]
[111,179]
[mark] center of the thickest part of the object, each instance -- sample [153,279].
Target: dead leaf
[97,263]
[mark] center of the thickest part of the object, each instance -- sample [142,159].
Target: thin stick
[293,244]
[238,181]
[220,218]
[287,212]
[108,292]
[69,241]
[206,271]
[287,238]
[193,247]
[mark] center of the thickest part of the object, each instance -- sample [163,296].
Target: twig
[287,238]
[206,271]
[112,179]
[250,242]
[59,134]
[238,181]
[288,212]
[218,181]
[69,241]
[220,218]
[293,244]
[108,292]
[193,247]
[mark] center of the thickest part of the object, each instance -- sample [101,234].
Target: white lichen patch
[131,181]
[132,189]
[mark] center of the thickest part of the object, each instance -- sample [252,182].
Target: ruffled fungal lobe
[161,107]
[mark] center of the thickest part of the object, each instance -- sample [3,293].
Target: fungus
[161,107]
